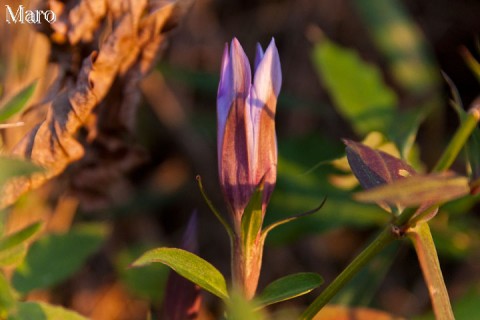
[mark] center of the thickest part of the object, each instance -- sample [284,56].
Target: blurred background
[349,67]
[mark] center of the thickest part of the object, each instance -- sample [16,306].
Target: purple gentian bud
[247,146]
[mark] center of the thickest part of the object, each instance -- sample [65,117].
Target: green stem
[458,141]
[380,242]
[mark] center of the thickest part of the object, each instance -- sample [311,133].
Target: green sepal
[252,218]
[289,219]
[189,266]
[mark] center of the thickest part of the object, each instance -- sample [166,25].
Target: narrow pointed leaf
[417,190]
[16,103]
[289,287]
[372,167]
[356,87]
[427,256]
[7,299]
[252,218]
[55,257]
[19,236]
[189,266]
[292,218]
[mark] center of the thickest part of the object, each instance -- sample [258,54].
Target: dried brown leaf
[123,58]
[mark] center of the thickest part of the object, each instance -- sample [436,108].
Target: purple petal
[242,77]
[258,56]
[268,75]
[225,96]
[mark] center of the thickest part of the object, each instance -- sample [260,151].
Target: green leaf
[418,190]
[148,282]
[7,299]
[55,257]
[16,103]
[356,87]
[10,168]
[289,287]
[427,256]
[44,311]
[20,236]
[189,266]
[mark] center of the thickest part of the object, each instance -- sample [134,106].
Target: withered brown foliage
[102,48]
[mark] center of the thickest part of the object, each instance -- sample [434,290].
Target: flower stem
[378,244]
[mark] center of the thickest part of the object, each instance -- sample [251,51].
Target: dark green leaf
[16,103]
[289,287]
[356,87]
[147,282]
[55,257]
[188,265]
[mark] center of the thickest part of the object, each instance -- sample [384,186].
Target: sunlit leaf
[427,256]
[398,39]
[20,236]
[44,311]
[289,287]
[13,256]
[16,103]
[189,266]
[55,257]
[356,87]
[417,190]
[7,299]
